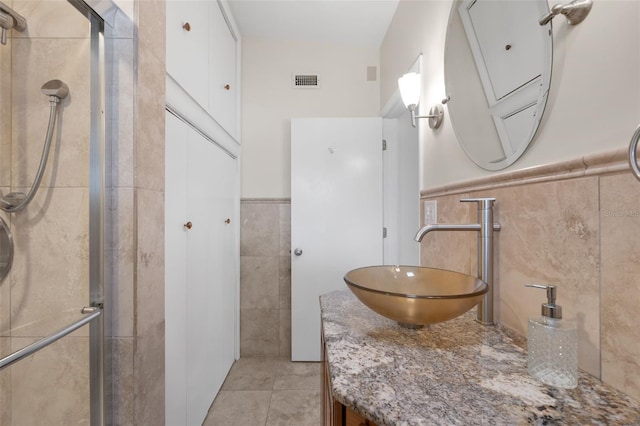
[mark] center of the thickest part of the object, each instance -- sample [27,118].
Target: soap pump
[552,344]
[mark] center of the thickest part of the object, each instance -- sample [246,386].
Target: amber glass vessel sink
[414,296]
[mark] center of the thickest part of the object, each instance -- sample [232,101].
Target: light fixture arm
[436,113]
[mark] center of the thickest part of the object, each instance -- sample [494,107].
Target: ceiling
[355,22]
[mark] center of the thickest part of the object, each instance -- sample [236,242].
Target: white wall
[594,104]
[269,102]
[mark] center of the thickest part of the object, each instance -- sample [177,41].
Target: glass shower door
[51,300]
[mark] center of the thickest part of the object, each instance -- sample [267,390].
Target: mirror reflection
[497,75]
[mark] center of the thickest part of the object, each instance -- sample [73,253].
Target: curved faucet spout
[444,227]
[449,227]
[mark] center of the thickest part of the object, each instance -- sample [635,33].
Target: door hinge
[384,232]
[384,144]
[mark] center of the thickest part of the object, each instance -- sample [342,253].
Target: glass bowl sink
[414,296]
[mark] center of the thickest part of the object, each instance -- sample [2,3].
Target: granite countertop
[453,373]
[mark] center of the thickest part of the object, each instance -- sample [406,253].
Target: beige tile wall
[137,65]
[582,235]
[265,278]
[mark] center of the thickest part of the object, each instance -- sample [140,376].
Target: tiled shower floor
[268,392]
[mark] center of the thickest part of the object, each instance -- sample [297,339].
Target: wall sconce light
[409,85]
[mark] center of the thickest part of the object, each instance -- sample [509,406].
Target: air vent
[306,81]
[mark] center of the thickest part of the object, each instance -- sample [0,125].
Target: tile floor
[268,392]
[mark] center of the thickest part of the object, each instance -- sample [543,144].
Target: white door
[336,215]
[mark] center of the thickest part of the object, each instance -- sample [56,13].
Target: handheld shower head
[55,88]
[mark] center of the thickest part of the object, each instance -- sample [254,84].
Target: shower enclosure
[52,356]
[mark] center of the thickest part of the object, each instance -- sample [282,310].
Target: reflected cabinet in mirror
[497,76]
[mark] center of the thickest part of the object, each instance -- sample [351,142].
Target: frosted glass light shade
[409,85]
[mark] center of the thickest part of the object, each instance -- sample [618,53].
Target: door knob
[228,221]
[297,252]
[188,225]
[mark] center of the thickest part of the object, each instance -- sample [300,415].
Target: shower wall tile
[120,63]
[149,152]
[51,19]
[46,385]
[620,293]
[5,385]
[149,360]
[149,389]
[550,234]
[120,356]
[149,302]
[121,295]
[259,232]
[51,260]
[36,61]
[151,27]
[5,285]
[5,115]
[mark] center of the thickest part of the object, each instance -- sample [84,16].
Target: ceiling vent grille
[306,81]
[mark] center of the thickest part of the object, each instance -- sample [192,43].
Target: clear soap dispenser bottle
[552,345]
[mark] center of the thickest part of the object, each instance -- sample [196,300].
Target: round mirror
[497,75]
[6,250]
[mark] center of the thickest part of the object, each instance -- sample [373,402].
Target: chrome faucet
[485,228]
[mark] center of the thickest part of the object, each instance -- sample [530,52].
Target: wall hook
[576,12]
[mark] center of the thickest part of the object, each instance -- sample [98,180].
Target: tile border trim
[608,162]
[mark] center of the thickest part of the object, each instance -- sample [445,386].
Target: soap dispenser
[552,344]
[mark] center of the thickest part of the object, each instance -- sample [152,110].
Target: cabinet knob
[188,225]
[228,221]
[186,26]
[227,87]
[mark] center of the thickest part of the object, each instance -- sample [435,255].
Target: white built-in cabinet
[200,272]
[202,206]
[202,57]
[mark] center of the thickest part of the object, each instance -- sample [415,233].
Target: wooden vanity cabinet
[333,412]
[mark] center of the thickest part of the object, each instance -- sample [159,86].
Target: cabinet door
[188,46]
[211,271]
[175,270]
[224,258]
[223,91]
[200,271]
[201,279]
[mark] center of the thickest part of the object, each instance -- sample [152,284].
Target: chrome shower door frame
[97,209]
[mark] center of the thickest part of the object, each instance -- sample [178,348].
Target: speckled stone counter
[453,373]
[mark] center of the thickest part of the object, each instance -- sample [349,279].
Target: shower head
[55,88]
